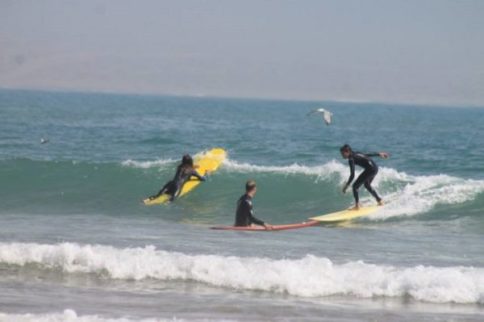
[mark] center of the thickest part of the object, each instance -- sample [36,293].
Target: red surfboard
[303,224]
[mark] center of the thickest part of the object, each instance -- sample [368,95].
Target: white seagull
[326,114]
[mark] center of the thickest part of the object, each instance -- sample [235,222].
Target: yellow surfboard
[347,214]
[204,162]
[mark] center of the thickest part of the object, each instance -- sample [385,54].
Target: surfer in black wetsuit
[183,173]
[244,216]
[366,177]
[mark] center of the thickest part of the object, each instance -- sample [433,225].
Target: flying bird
[325,113]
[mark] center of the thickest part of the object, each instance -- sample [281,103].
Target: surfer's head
[187,160]
[345,151]
[250,187]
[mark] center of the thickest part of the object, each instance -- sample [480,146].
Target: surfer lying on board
[184,172]
[366,177]
[244,216]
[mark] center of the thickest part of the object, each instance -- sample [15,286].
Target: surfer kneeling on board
[244,216]
[184,172]
[366,177]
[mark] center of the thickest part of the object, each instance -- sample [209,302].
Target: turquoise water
[71,221]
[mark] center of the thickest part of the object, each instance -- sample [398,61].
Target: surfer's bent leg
[163,190]
[175,192]
[363,178]
[368,186]
[357,184]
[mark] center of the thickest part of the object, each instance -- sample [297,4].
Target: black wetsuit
[173,187]
[245,214]
[367,176]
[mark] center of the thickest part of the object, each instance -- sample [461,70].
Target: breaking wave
[309,276]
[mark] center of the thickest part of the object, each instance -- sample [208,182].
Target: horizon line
[257,98]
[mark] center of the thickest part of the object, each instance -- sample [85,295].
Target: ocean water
[76,244]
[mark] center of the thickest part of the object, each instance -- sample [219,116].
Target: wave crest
[147,164]
[322,171]
[71,316]
[407,195]
[309,276]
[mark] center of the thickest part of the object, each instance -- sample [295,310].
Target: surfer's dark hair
[345,148]
[187,160]
[250,185]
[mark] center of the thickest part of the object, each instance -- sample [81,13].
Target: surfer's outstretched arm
[198,175]
[383,155]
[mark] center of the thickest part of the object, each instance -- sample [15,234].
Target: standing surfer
[366,177]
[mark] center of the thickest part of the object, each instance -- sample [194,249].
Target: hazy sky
[421,51]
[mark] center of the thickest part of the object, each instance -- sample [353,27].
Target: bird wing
[318,110]
[327,117]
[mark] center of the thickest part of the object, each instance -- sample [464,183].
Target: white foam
[147,164]
[419,194]
[309,276]
[70,316]
[324,171]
